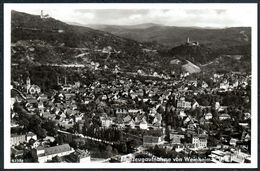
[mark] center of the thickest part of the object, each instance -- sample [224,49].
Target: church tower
[28,84]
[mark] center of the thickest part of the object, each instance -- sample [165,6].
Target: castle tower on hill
[191,43]
[188,40]
[44,15]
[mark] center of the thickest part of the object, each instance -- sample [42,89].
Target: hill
[172,36]
[49,41]
[38,41]
[197,54]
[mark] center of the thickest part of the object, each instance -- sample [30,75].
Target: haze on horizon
[216,18]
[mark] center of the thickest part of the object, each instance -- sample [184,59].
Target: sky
[171,15]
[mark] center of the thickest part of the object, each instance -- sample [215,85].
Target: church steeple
[28,84]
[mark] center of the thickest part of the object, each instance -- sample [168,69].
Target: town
[145,93]
[132,117]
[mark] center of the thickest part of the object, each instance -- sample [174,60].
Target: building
[43,16]
[218,156]
[17,139]
[123,158]
[208,116]
[200,141]
[183,104]
[79,156]
[224,117]
[143,124]
[191,43]
[176,138]
[31,135]
[106,122]
[152,140]
[239,157]
[46,154]
[233,141]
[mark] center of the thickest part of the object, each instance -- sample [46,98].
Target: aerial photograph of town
[130,86]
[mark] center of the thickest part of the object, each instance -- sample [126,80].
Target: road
[88,137]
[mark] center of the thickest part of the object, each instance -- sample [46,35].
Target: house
[204,85]
[239,157]
[123,158]
[106,122]
[17,139]
[224,117]
[179,148]
[46,154]
[157,120]
[40,105]
[128,118]
[143,124]
[79,156]
[30,135]
[121,111]
[43,98]
[79,117]
[152,140]
[183,104]
[247,116]
[34,143]
[218,156]
[47,115]
[224,86]
[133,111]
[195,105]
[182,114]
[208,116]
[176,138]
[233,141]
[130,124]
[200,141]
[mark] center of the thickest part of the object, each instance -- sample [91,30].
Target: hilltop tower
[188,40]
[44,15]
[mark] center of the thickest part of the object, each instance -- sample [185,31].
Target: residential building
[152,140]
[79,156]
[17,139]
[200,141]
[46,154]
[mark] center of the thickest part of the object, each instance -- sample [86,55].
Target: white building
[45,154]
[200,141]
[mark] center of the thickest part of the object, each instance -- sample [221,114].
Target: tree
[108,152]
[56,159]
[40,132]
[123,147]
[50,127]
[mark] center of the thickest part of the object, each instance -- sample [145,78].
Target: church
[32,89]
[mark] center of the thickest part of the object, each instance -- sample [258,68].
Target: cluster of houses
[128,103]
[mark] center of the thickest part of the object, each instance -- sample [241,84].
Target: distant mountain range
[172,36]
[150,47]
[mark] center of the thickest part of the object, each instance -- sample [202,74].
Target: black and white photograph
[130,85]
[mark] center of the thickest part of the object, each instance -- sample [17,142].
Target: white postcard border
[7,63]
